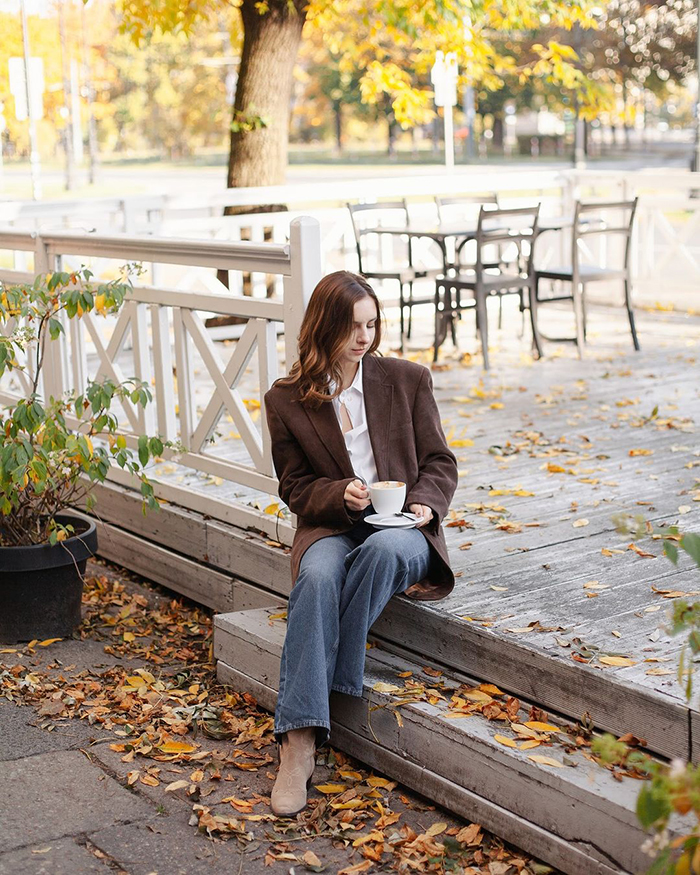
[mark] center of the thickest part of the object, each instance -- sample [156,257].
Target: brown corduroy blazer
[313,466]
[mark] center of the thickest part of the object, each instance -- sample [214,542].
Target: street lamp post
[444,78]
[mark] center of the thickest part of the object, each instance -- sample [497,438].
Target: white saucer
[381,521]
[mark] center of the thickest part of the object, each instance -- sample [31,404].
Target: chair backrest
[368,219]
[618,225]
[513,225]
[461,205]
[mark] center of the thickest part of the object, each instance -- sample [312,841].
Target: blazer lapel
[327,427]
[378,401]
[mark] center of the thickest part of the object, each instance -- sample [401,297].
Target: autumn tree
[650,45]
[393,42]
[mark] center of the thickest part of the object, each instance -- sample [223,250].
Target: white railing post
[306,271]
[52,377]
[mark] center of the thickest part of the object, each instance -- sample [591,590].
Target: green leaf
[652,806]
[691,544]
[55,328]
[671,551]
[143,450]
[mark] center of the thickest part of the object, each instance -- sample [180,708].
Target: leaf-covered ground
[140,681]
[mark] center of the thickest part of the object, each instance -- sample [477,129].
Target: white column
[306,271]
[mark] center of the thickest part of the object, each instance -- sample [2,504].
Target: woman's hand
[356,495]
[421,510]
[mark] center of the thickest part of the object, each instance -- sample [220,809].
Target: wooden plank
[224,546]
[247,597]
[191,579]
[695,735]
[585,803]
[171,526]
[565,687]
[247,556]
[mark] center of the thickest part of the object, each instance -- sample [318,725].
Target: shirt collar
[356,383]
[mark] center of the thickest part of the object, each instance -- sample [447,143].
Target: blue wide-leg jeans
[343,585]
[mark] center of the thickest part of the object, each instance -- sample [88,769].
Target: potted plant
[52,451]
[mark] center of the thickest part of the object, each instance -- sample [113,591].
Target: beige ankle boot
[297,762]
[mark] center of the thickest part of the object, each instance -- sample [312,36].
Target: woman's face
[363,331]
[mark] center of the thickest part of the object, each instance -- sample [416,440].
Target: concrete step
[577,817]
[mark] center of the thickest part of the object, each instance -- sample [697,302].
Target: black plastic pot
[41,586]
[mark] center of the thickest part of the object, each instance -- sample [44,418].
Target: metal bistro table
[461,232]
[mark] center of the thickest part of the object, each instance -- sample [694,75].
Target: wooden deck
[549,452]
[541,598]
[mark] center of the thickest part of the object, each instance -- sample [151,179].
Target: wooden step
[577,817]
[228,569]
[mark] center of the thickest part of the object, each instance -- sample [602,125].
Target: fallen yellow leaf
[545,761]
[374,836]
[541,727]
[616,660]
[177,747]
[477,696]
[382,687]
[344,806]
[508,742]
[491,689]
[331,789]
[150,780]
[376,781]
[436,829]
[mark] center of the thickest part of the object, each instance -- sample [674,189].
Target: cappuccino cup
[387,496]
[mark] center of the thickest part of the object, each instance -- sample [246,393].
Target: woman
[341,419]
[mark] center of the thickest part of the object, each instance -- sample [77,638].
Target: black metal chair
[579,274]
[464,207]
[367,221]
[450,207]
[498,227]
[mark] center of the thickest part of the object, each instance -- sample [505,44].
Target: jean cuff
[323,730]
[349,691]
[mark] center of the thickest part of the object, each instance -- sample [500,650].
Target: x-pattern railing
[159,337]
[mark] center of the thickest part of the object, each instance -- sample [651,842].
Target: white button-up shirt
[357,439]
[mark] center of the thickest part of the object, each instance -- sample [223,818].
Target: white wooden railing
[159,337]
[666,248]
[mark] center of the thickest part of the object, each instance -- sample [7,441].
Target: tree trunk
[258,151]
[498,131]
[270,45]
[338,114]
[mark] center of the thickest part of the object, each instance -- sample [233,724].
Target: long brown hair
[325,331]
